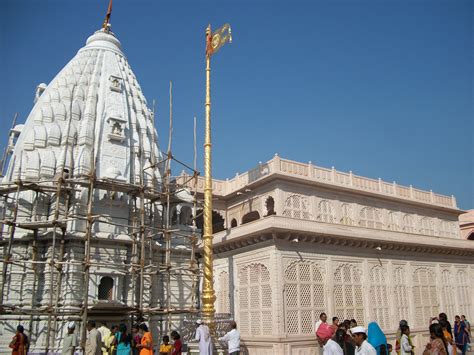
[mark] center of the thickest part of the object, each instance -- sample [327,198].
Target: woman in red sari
[19,343]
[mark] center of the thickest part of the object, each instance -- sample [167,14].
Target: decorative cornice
[282,229]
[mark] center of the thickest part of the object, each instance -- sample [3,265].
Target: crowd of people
[335,338]
[116,340]
[348,338]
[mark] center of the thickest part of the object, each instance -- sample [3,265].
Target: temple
[94,226]
[87,206]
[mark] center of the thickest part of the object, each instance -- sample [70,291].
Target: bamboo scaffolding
[153,210]
[60,265]
[134,259]
[11,232]
[192,263]
[7,149]
[35,276]
[160,266]
[142,224]
[55,218]
[150,203]
[167,234]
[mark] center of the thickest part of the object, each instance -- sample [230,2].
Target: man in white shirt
[93,341]
[330,347]
[70,340]
[104,335]
[359,334]
[203,336]
[322,319]
[233,339]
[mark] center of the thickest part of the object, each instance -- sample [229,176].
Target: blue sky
[382,88]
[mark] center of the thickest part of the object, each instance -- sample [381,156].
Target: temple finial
[106,25]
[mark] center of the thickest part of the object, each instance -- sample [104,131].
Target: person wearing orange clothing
[19,343]
[146,344]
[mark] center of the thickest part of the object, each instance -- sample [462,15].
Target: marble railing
[331,176]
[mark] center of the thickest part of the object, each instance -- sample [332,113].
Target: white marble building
[291,239]
[90,137]
[297,240]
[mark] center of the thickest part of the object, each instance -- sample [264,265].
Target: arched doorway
[250,217]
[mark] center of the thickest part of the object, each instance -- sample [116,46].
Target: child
[177,345]
[165,348]
[390,349]
[405,347]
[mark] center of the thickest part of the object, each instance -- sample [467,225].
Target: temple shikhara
[95,226]
[87,202]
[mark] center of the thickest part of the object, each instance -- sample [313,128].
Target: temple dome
[95,98]
[92,116]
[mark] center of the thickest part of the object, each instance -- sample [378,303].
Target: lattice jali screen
[255,300]
[463,293]
[447,293]
[378,296]
[400,295]
[425,295]
[348,301]
[370,218]
[304,296]
[409,224]
[105,289]
[223,299]
[427,226]
[296,206]
[326,212]
[393,222]
[446,230]
[347,216]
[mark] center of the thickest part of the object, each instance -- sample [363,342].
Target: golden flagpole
[214,41]
[208,293]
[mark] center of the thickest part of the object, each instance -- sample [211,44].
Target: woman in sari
[448,337]
[136,339]
[437,344]
[460,334]
[146,342]
[123,340]
[19,343]
[376,337]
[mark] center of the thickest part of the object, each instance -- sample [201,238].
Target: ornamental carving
[115,83]
[116,128]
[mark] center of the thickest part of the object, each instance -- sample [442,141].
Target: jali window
[255,300]
[304,297]
[348,299]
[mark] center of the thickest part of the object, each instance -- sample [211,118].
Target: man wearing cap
[70,340]
[203,335]
[359,334]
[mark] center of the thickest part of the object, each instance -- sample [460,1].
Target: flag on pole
[217,39]
[107,15]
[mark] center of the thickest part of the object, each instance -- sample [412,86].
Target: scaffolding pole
[147,199]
